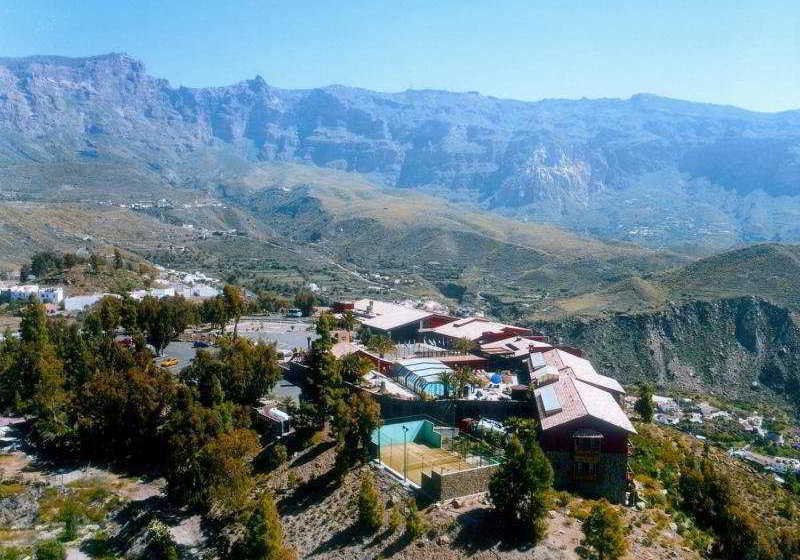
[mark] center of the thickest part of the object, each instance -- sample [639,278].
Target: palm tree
[348,321]
[380,344]
[448,379]
[463,345]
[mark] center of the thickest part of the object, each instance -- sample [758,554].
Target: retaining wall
[447,486]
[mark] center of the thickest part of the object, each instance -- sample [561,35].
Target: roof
[576,400]
[386,316]
[341,349]
[473,328]
[422,366]
[581,368]
[513,346]
[274,414]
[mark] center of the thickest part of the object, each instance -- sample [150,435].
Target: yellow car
[170,362]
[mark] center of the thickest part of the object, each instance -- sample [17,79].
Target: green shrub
[415,522]
[395,518]
[604,533]
[370,506]
[49,550]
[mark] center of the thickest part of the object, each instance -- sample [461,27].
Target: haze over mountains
[655,171]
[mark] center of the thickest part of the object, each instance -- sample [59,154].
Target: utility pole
[405,454]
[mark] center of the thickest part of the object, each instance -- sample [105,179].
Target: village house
[477,330]
[584,433]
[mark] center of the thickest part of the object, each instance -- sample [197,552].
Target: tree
[354,420]
[213,311]
[270,302]
[305,301]
[50,549]
[521,427]
[415,522]
[244,370]
[122,410]
[644,404]
[348,321]
[325,381]
[448,379]
[380,344]
[96,262]
[519,488]
[226,464]
[117,259]
[463,377]
[263,538]
[353,368]
[109,314]
[462,345]
[234,305]
[162,320]
[370,506]
[604,533]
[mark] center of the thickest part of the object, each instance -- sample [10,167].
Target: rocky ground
[114,506]
[318,514]
[319,520]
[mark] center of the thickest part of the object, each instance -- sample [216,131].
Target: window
[585,470]
[588,442]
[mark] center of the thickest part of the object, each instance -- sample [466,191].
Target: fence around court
[429,445]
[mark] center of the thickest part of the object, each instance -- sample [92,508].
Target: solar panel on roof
[537,360]
[549,398]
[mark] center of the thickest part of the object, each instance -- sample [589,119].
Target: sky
[736,52]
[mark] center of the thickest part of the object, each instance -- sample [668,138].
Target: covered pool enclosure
[422,375]
[415,448]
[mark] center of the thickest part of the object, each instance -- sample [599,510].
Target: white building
[53,295]
[204,291]
[157,293]
[79,303]
[22,293]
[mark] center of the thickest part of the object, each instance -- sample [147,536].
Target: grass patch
[91,500]
[11,490]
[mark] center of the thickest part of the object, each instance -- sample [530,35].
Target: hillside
[646,169]
[741,348]
[769,271]
[331,227]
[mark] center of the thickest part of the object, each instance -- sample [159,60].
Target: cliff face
[735,347]
[647,169]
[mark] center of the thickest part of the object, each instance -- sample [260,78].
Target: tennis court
[415,446]
[420,458]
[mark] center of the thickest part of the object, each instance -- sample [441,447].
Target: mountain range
[659,172]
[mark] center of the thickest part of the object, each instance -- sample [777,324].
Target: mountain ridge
[648,170]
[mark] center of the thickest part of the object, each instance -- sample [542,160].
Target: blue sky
[737,52]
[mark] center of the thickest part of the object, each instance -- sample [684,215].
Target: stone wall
[442,487]
[610,483]
[450,411]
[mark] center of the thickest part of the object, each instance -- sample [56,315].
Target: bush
[415,522]
[604,533]
[12,553]
[70,515]
[49,550]
[279,455]
[395,518]
[370,506]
